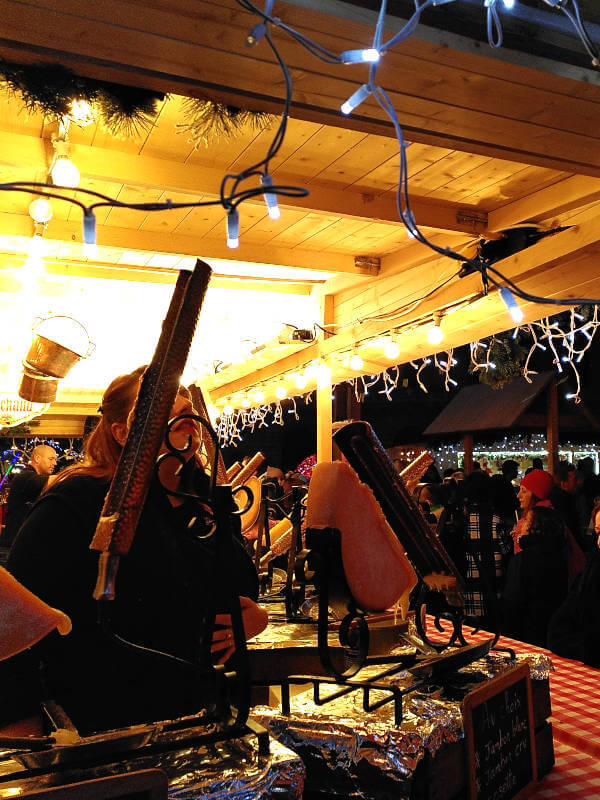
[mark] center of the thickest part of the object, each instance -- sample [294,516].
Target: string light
[370,55]
[391,349]
[228,409]
[300,381]
[435,334]
[356,362]
[270,198]
[40,210]
[233,228]
[511,304]
[355,100]
[280,392]
[258,396]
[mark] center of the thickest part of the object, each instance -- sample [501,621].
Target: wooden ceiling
[493,145]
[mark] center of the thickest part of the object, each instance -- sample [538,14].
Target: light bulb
[258,397]
[509,3]
[300,381]
[435,334]
[356,99]
[65,173]
[370,55]
[233,228]
[245,402]
[280,392]
[356,362]
[40,210]
[511,304]
[82,113]
[270,197]
[228,409]
[391,349]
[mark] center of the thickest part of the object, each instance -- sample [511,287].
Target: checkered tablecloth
[575,776]
[575,696]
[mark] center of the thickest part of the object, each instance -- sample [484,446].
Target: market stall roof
[482,408]
[496,141]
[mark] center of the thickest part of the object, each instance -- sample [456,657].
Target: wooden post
[324,391]
[468,459]
[324,415]
[552,427]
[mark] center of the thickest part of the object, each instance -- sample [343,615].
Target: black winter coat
[536,585]
[165,582]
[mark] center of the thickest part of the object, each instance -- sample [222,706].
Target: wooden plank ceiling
[489,150]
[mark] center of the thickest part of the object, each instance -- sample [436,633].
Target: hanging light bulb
[356,362]
[245,402]
[65,173]
[40,210]
[233,228]
[511,304]
[270,197]
[300,380]
[258,396]
[391,349]
[228,409]
[280,392]
[81,113]
[435,334]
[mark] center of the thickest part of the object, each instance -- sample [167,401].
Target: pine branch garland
[207,121]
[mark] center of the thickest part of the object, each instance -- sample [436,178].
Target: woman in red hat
[534,490]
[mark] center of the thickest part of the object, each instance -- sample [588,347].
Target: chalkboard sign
[499,732]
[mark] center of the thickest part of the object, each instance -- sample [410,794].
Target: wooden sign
[499,733]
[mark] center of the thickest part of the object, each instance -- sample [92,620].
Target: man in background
[563,498]
[25,488]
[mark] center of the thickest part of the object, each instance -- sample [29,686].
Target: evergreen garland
[207,121]
[50,89]
[508,356]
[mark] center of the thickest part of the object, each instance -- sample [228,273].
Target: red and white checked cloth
[575,776]
[574,692]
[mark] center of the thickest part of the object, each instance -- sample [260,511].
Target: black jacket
[163,585]
[574,630]
[25,488]
[536,585]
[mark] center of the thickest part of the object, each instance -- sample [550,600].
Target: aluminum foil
[234,770]
[363,754]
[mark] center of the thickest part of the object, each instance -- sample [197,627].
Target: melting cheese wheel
[377,570]
[24,618]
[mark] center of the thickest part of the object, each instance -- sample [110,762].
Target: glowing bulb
[270,197]
[40,210]
[391,349]
[370,55]
[511,304]
[228,410]
[245,402]
[258,397]
[356,99]
[509,3]
[65,173]
[233,228]
[435,334]
[356,362]
[280,392]
[82,113]
[300,381]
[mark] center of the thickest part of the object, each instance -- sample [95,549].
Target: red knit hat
[539,482]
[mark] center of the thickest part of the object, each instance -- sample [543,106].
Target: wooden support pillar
[324,392]
[468,459]
[324,415]
[552,427]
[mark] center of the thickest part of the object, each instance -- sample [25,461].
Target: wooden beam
[565,195]
[179,244]
[18,151]
[552,427]
[564,266]
[198,49]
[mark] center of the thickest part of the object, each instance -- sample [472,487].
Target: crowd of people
[528,553]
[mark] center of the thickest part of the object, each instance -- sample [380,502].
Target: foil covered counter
[349,753]
[234,770]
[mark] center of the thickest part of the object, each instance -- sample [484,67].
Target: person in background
[534,492]
[169,578]
[25,488]
[574,630]
[587,492]
[505,504]
[537,577]
[484,576]
[431,497]
[537,463]
[563,499]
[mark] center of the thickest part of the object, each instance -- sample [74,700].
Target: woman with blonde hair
[165,586]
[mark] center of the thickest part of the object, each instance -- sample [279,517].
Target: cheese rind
[377,569]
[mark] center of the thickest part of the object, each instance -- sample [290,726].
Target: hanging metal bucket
[51,358]
[36,387]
